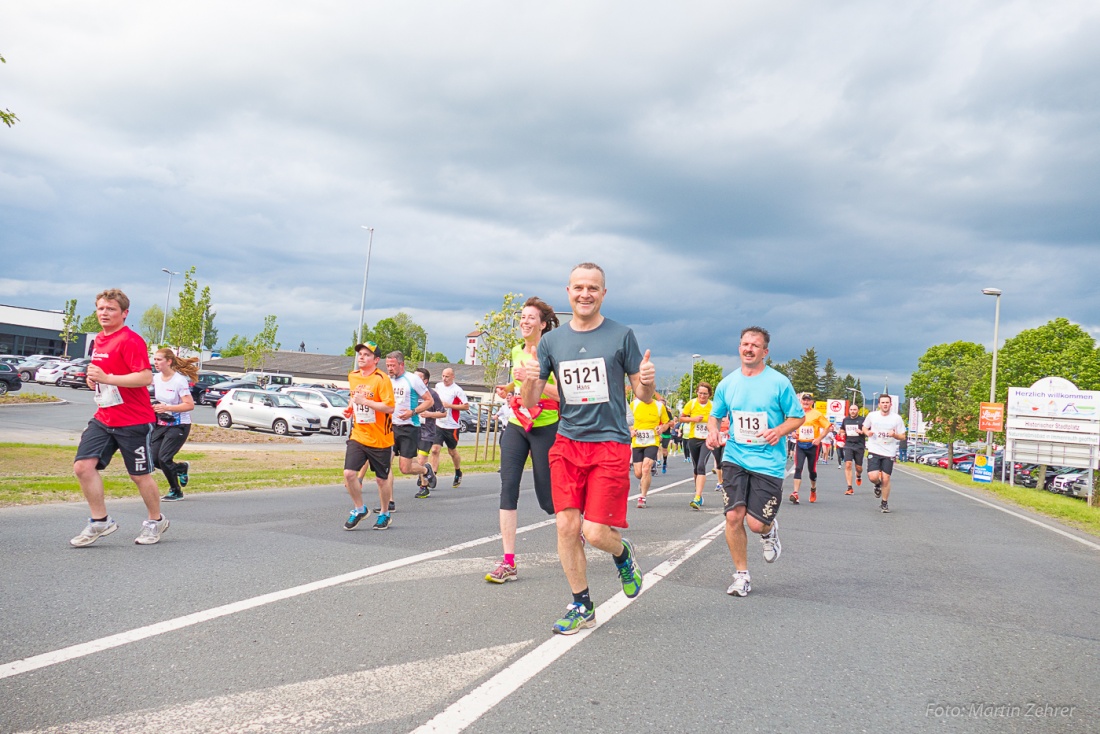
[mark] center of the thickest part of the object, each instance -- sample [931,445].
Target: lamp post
[691,380]
[164,321]
[993,376]
[363,299]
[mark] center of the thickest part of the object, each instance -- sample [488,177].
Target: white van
[270,380]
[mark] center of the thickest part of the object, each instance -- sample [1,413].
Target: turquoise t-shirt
[745,398]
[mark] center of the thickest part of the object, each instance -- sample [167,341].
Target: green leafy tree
[7,116]
[1059,348]
[804,372]
[186,322]
[68,325]
[90,324]
[704,371]
[827,386]
[262,345]
[210,336]
[237,346]
[396,333]
[151,323]
[499,333]
[948,387]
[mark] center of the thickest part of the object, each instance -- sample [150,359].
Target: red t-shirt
[122,353]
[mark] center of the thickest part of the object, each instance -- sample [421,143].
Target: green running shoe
[629,573]
[576,618]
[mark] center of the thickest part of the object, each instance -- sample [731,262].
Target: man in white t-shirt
[884,431]
[454,402]
[411,398]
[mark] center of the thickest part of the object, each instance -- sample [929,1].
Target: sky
[848,175]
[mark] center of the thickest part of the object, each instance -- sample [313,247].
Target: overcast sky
[848,175]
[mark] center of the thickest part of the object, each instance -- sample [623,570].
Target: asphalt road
[920,620]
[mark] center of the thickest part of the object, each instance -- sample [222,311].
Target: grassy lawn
[1069,510]
[33,474]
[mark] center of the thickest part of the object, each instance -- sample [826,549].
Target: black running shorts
[761,494]
[884,464]
[638,453]
[356,455]
[100,442]
[405,440]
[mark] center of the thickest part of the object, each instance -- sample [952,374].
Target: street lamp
[164,321]
[363,300]
[993,377]
[859,392]
[691,380]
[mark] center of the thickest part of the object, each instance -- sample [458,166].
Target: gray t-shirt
[590,368]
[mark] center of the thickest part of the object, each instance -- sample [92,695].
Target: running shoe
[641,503]
[629,573]
[859,480]
[772,546]
[181,475]
[718,487]
[884,507]
[850,491]
[393,509]
[382,522]
[696,504]
[173,496]
[430,476]
[354,518]
[664,468]
[151,530]
[424,492]
[793,498]
[458,478]
[93,532]
[813,495]
[654,470]
[878,490]
[503,572]
[576,618]
[741,585]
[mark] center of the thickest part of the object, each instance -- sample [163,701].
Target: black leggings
[166,443]
[809,454]
[515,446]
[697,449]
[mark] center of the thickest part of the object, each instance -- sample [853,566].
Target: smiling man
[590,357]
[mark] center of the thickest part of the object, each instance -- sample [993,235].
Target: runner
[666,439]
[649,419]
[810,434]
[590,356]
[693,418]
[371,441]
[884,431]
[120,375]
[411,398]
[719,450]
[173,406]
[854,443]
[841,442]
[429,432]
[761,407]
[454,401]
[827,442]
[531,433]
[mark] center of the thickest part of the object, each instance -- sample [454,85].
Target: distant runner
[854,445]
[884,431]
[810,433]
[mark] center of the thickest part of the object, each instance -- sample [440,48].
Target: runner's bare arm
[712,433]
[141,378]
[642,381]
[532,389]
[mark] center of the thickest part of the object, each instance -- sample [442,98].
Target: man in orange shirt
[810,433]
[371,441]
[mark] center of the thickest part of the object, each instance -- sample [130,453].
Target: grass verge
[34,474]
[24,398]
[1069,510]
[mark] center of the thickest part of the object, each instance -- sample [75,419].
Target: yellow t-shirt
[692,409]
[370,427]
[814,428]
[521,357]
[647,416]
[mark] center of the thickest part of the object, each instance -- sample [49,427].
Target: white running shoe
[151,531]
[93,532]
[741,585]
[772,546]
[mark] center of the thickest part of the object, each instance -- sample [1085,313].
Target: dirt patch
[217,434]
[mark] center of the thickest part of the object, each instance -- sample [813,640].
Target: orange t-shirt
[370,427]
[814,428]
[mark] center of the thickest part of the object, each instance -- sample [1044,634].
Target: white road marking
[474,705]
[1005,510]
[18,667]
[344,702]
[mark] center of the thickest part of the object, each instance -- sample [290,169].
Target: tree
[262,345]
[90,324]
[68,330]
[1059,348]
[827,386]
[7,116]
[237,346]
[152,321]
[185,323]
[803,373]
[704,371]
[398,333]
[210,337]
[948,387]
[499,333]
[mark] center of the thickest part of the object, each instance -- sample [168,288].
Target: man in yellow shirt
[371,441]
[810,433]
[649,420]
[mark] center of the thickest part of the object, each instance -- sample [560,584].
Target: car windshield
[284,401]
[337,400]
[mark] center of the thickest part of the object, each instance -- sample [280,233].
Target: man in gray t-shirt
[590,357]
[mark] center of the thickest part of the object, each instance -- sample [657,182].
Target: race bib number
[400,393]
[584,381]
[805,433]
[107,396]
[851,429]
[645,438]
[746,426]
[364,414]
[700,430]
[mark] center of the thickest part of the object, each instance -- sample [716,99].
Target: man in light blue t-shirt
[762,408]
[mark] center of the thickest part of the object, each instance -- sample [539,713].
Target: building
[26,331]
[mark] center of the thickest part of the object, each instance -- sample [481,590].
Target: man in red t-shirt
[120,374]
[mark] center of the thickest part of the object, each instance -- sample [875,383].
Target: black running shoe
[424,492]
[430,476]
[393,508]
[181,475]
[458,478]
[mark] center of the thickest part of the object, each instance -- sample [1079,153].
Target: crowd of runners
[569,415]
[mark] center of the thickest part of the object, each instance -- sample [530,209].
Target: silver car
[268,410]
[325,404]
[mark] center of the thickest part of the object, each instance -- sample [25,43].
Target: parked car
[258,408]
[931,458]
[1064,481]
[49,372]
[325,404]
[269,380]
[9,379]
[205,380]
[74,376]
[29,366]
[943,463]
[13,359]
[1080,487]
[217,391]
[468,421]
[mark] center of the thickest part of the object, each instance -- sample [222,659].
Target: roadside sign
[991,417]
[836,410]
[983,469]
